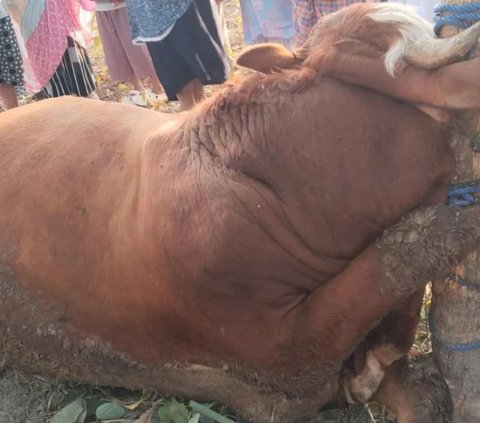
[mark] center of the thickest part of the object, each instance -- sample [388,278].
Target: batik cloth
[152,20]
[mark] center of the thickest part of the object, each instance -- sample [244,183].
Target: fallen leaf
[74,412]
[110,411]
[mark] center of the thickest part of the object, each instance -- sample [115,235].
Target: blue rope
[459,15]
[459,195]
[462,195]
[464,283]
[467,347]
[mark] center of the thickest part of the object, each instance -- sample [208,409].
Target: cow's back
[74,214]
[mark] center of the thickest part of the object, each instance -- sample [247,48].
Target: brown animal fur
[225,253]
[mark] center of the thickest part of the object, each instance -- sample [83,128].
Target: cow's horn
[439,52]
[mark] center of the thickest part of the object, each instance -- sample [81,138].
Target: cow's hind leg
[338,317]
[423,246]
[416,392]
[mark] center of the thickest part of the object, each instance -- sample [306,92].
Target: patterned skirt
[11,71]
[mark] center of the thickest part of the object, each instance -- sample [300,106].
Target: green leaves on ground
[208,412]
[110,411]
[173,412]
[89,409]
[75,412]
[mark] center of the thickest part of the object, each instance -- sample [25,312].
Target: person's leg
[187,95]
[117,61]
[135,83]
[8,96]
[190,56]
[201,51]
[172,71]
[138,57]
[199,90]
[157,87]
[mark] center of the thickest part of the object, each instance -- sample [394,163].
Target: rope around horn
[459,15]
[459,195]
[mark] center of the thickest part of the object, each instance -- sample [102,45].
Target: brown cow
[228,253]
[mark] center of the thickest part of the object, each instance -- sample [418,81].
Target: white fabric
[143,40]
[423,7]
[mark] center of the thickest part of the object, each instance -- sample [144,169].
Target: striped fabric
[74,75]
[306,13]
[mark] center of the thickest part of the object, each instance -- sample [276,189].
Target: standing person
[11,72]
[57,63]
[183,39]
[126,62]
[306,14]
[268,21]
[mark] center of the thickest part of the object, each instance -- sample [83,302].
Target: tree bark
[456,309]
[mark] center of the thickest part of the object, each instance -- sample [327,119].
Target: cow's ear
[267,57]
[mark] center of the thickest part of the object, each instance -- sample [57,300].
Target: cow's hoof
[362,387]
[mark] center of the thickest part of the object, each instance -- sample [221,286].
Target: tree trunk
[456,309]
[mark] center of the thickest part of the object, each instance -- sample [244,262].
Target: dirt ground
[32,399]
